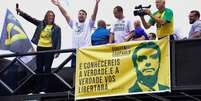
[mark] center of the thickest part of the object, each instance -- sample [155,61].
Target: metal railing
[24,65]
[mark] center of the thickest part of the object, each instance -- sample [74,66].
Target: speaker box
[186,64]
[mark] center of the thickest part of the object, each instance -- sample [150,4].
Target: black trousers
[44,63]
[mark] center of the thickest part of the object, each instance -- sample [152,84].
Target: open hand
[147,11]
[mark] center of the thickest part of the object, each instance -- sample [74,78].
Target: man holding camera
[163,18]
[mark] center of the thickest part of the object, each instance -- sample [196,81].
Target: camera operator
[163,18]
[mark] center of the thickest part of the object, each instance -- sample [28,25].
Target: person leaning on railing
[101,34]
[138,33]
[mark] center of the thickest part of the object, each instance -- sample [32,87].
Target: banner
[123,69]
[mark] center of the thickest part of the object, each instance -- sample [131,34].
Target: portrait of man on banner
[146,60]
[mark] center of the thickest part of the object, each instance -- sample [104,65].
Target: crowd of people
[47,35]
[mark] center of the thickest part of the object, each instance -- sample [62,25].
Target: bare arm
[28,17]
[63,11]
[129,37]
[196,35]
[157,19]
[140,38]
[111,38]
[145,24]
[93,17]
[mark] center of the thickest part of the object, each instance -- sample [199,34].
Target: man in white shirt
[194,19]
[82,29]
[121,28]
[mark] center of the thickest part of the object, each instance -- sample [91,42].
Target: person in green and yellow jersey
[163,19]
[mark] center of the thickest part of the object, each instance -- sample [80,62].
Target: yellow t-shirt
[45,39]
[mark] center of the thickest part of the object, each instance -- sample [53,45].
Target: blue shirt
[140,32]
[100,36]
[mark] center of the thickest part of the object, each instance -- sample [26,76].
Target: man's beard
[191,22]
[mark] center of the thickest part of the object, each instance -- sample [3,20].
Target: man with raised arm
[81,29]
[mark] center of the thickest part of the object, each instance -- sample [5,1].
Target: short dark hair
[119,8]
[83,11]
[144,46]
[197,13]
[101,24]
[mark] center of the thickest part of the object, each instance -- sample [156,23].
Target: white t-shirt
[81,33]
[121,29]
[196,27]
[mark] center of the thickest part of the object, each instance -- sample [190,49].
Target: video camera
[139,10]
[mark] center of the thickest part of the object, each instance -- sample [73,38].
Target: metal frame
[60,67]
[177,91]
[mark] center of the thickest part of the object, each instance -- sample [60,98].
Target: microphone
[17,7]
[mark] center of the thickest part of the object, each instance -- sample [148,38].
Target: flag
[13,37]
